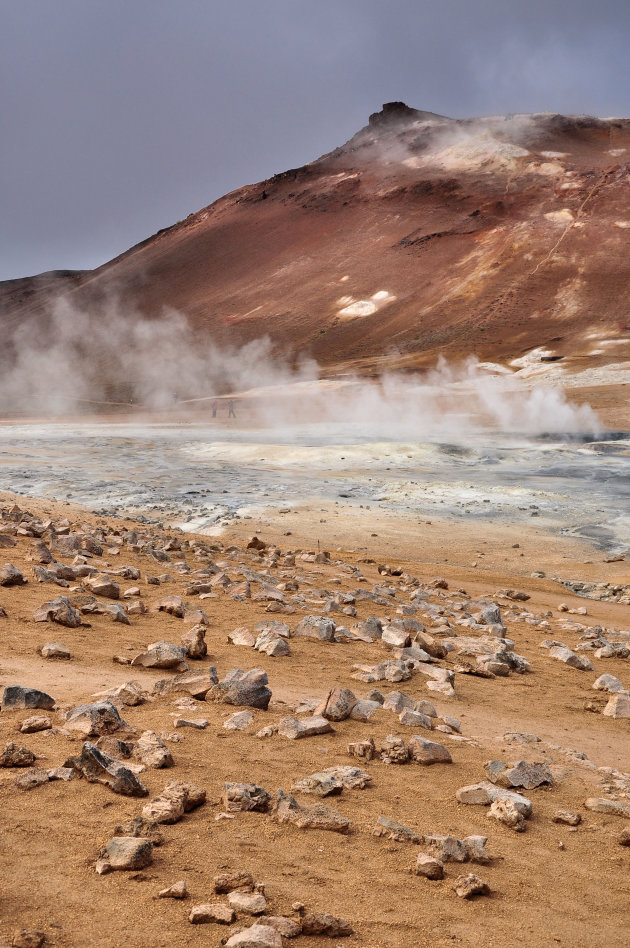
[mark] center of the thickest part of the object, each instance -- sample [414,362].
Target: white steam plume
[91,363]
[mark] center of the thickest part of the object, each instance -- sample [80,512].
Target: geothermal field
[320,635]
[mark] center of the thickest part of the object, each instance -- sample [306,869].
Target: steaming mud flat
[205,479]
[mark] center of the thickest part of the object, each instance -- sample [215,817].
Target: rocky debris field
[208,742]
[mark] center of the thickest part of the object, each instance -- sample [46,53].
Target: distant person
[215,405]
[175,398]
[231,412]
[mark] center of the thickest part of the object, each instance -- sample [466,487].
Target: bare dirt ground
[552,885]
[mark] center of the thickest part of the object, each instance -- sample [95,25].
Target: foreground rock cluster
[305,709]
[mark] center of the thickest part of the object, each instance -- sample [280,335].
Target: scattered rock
[564,654]
[37,722]
[428,752]
[247,689]
[390,829]
[152,751]
[429,867]
[15,756]
[521,774]
[94,720]
[468,886]
[618,706]
[10,575]
[239,721]
[251,903]
[238,797]
[31,778]
[337,705]
[215,912]
[288,810]
[98,767]
[294,728]
[163,655]
[321,784]
[570,817]
[327,925]
[505,812]
[176,891]
[139,827]
[59,611]
[194,642]
[54,650]
[16,697]
[228,881]
[258,936]
[607,683]
[316,627]
[125,852]
[613,807]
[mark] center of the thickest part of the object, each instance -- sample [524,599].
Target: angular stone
[152,751]
[569,817]
[415,719]
[211,912]
[446,848]
[608,683]
[321,784]
[470,885]
[251,903]
[618,706]
[485,793]
[125,852]
[521,774]
[316,627]
[163,655]
[59,611]
[18,698]
[564,654]
[613,807]
[139,827]
[62,773]
[175,800]
[101,585]
[194,641]
[397,701]
[337,704]
[258,936]
[395,637]
[242,636]
[195,683]
[98,767]
[428,752]
[327,925]
[294,728]
[288,810]
[172,605]
[96,719]
[15,756]
[393,750]
[239,721]
[273,645]
[10,575]
[287,927]
[352,778]
[228,881]
[31,778]
[130,694]
[54,650]
[505,812]
[365,749]
[429,867]
[37,722]
[390,829]
[247,689]
[363,710]
[176,891]
[242,797]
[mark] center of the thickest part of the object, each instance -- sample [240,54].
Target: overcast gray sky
[118,117]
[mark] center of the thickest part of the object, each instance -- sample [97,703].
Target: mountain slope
[421,235]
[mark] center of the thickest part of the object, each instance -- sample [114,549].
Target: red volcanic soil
[485,236]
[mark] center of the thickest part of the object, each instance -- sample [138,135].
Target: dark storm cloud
[120,117]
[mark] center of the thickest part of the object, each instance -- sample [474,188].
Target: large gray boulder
[96,719]
[245,689]
[98,767]
[18,698]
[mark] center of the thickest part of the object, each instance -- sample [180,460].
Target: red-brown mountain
[421,235]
